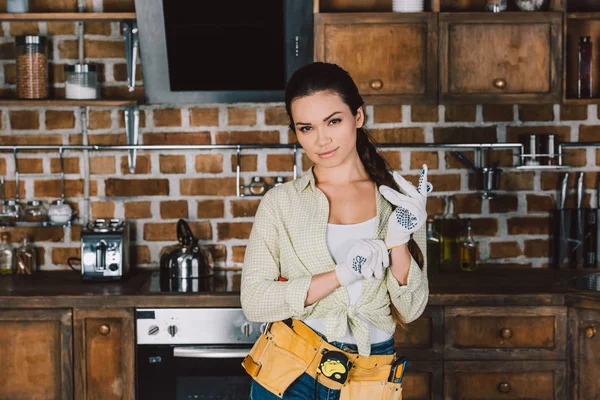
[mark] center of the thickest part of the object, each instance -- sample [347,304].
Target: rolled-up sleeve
[410,299]
[263,297]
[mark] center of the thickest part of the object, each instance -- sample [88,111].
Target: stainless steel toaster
[104,249]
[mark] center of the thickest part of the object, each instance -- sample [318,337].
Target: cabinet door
[424,380]
[104,349]
[392,57]
[585,333]
[509,58]
[36,354]
[422,339]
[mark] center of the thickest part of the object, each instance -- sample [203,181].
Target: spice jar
[59,212]
[495,5]
[26,258]
[35,212]
[81,81]
[10,213]
[32,67]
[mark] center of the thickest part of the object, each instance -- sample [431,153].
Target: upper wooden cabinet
[500,57]
[391,56]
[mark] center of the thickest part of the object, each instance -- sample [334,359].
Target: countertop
[484,287]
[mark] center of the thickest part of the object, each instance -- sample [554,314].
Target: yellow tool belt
[283,353]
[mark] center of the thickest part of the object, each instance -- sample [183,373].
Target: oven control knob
[172,329]
[247,329]
[153,330]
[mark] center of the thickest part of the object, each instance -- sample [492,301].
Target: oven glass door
[192,372]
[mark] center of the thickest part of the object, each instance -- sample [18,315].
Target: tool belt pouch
[372,390]
[270,362]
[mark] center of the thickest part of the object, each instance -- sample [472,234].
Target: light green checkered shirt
[288,239]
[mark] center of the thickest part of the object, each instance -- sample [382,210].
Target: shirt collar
[307,179]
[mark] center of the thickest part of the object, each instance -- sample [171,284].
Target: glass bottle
[433,247]
[7,255]
[584,68]
[26,262]
[449,258]
[468,251]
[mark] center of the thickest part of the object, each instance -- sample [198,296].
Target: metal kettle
[185,267]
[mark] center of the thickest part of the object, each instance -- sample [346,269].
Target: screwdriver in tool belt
[398,368]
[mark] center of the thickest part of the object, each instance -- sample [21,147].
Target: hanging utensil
[579,190]
[562,199]
[465,160]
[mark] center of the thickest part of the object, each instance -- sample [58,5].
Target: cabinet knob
[504,387]
[104,330]
[506,333]
[376,84]
[499,83]
[589,332]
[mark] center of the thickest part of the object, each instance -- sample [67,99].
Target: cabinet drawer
[540,380]
[500,58]
[422,339]
[505,332]
[423,381]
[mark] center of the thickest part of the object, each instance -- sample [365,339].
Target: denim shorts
[307,388]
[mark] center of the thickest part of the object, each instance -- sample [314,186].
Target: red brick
[537,248]
[241,116]
[398,135]
[550,180]
[576,157]
[177,138]
[30,165]
[280,162]
[104,48]
[540,203]
[122,92]
[453,162]
[244,208]
[461,113]
[121,118]
[103,209]
[139,255]
[504,249]
[168,231]
[418,158]
[136,187]
[24,28]
[467,204]
[536,112]
[60,28]
[98,28]
[248,137]
[61,254]
[24,119]
[276,116]
[513,133]
[573,112]
[387,114]
[238,253]
[484,226]
[143,165]
[99,120]
[528,226]
[30,139]
[68,49]
[207,187]
[52,188]
[167,117]
[120,72]
[497,112]
[60,120]
[138,209]
[441,183]
[517,180]
[101,165]
[248,162]
[505,158]
[393,158]
[10,188]
[461,134]
[204,116]
[35,234]
[172,164]
[233,230]
[424,113]
[503,204]
[210,163]
[173,209]
[2,167]
[210,209]
[435,205]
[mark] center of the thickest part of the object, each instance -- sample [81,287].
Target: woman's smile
[328,154]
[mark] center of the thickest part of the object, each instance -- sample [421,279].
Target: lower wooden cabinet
[104,354]
[36,354]
[584,327]
[424,380]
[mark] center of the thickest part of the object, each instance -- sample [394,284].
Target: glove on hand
[366,258]
[410,213]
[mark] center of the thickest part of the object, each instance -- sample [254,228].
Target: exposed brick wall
[200,185]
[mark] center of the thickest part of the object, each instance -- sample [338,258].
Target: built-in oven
[191,353]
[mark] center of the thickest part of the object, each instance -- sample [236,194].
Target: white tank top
[340,239]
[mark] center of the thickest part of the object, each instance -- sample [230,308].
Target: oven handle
[200,352]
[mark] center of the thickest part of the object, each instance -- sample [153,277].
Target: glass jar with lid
[32,67]
[81,81]
[10,212]
[35,212]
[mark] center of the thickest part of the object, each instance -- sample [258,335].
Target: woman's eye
[335,121]
[305,129]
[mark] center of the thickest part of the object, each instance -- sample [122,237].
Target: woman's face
[326,128]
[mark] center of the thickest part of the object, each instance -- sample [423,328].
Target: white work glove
[410,213]
[365,259]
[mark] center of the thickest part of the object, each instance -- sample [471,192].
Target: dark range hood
[222,52]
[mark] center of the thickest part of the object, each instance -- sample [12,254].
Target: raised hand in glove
[410,213]
[365,259]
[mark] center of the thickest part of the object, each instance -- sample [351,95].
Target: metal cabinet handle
[504,387]
[589,332]
[499,83]
[104,330]
[505,333]
[376,84]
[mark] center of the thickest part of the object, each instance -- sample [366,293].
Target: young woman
[329,254]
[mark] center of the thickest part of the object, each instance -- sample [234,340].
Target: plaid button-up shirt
[288,239]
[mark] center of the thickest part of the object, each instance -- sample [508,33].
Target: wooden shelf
[584,15]
[67,16]
[66,103]
[573,102]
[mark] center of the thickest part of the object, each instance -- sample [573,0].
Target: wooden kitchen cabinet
[500,57]
[104,345]
[392,57]
[584,330]
[36,354]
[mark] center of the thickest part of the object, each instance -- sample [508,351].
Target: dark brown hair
[324,77]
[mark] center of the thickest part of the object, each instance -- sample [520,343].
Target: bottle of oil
[468,251]
[7,255]
[449,235]
[433,248]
